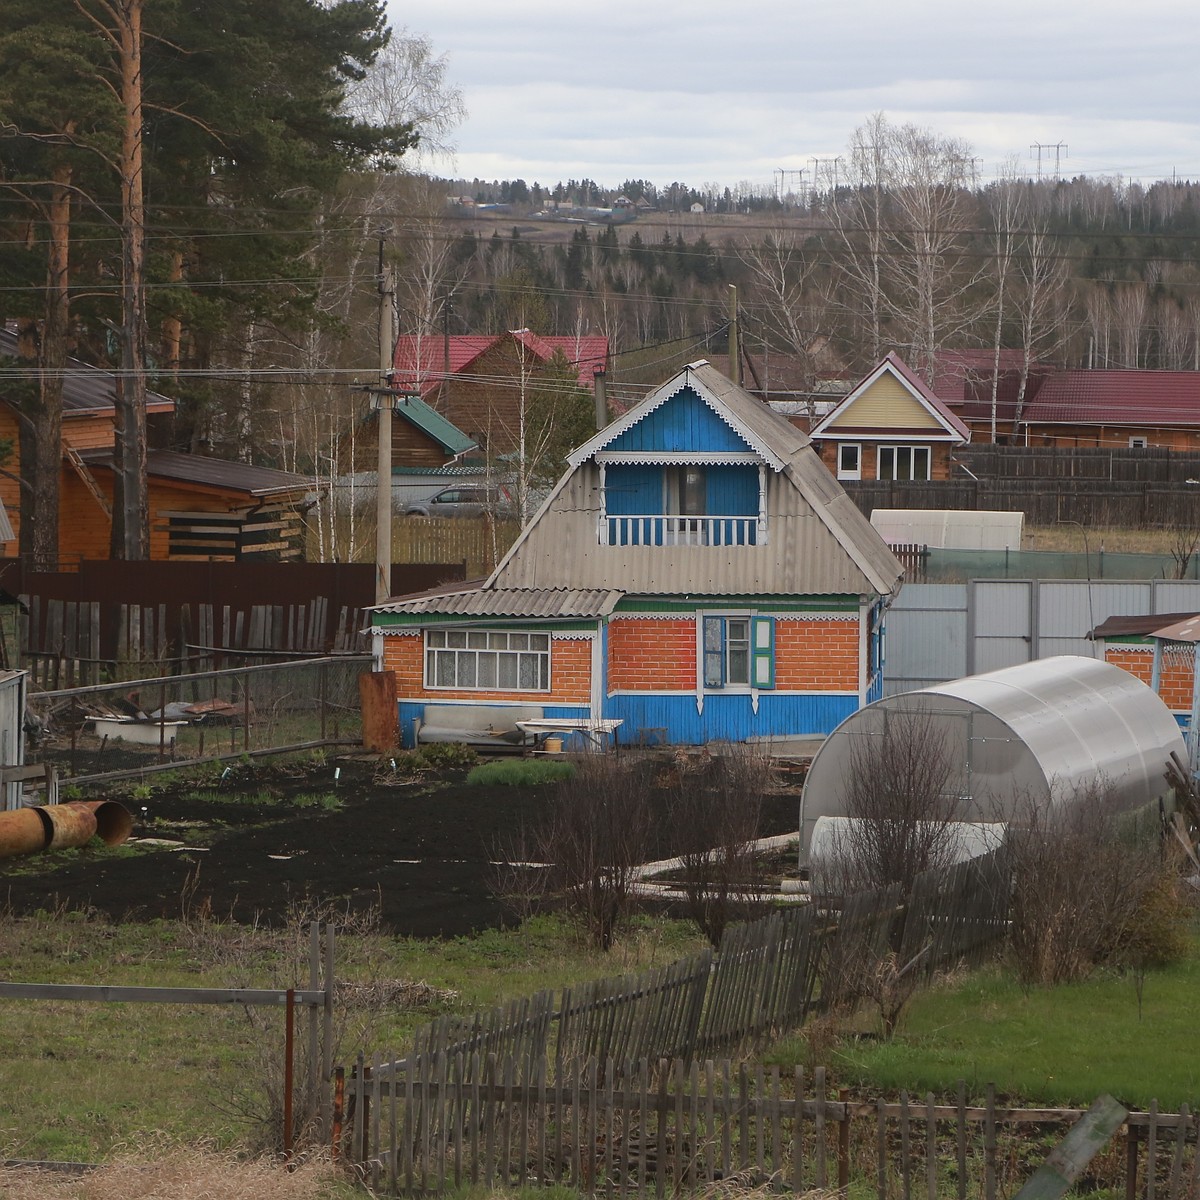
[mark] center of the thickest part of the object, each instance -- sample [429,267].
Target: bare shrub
[715,810]
[516,877]
[898,791]
[1089,886]
[596,837]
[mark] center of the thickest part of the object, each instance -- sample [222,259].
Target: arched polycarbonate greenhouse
[1035,734]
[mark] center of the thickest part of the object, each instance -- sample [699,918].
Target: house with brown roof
[1113,409]
[890,426]
[477,382]
[200,508]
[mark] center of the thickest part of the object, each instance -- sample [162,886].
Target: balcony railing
[681,531]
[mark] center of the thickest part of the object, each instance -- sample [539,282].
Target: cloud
[702,91]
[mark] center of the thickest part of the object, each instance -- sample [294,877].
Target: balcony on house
[682,504]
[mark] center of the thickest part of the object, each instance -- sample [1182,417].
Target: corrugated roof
[447,435]
[1136,626]
[86,389]
[1170,398]
[562,603]
[209,472]
[420,362]
[820,543]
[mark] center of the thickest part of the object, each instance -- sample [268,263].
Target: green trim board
[817,604]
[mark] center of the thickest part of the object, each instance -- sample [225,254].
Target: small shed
[1034,732]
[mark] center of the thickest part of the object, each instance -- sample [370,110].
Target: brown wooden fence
[767,975]
[108,619]
[632,1128]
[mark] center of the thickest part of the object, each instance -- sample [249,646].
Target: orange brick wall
[570,674]
[816,656]
[660,656]
[1175,682]
[652,656]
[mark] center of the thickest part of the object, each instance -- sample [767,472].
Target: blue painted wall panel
[725,718]
[633,491]
[731,491]
[684,422]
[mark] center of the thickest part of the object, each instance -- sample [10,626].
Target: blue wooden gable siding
[684,422]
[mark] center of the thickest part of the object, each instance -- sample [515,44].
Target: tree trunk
[131,518]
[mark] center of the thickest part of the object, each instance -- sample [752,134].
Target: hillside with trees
[208,219]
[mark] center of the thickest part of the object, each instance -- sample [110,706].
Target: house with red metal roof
[890,426]
[476,382]
[1114,409]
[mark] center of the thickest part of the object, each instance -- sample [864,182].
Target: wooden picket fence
[767,975]
[628,1128]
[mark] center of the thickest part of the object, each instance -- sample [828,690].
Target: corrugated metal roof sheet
[1136,626]
[1118,398]
[431,423]
[420,362]
[511,602]
[86,389]
[209,472]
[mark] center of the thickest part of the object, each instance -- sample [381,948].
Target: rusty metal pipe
[57,826]
[114,822]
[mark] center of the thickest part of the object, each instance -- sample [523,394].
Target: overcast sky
[728,91]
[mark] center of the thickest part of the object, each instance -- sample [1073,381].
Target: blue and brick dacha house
[697,575]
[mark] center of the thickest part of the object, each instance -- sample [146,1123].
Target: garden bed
[250,843]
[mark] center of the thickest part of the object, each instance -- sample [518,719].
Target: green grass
[519,772]
[88,1078]
[1054,1046]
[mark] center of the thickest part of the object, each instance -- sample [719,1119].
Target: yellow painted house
[891,426]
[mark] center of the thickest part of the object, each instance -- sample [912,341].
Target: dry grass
[1068,538]
[181,1174]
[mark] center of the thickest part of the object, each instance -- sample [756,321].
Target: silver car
[464,502]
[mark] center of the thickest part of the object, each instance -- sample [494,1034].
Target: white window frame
[488,653]
[854,472]
[1139,443]
[908,449]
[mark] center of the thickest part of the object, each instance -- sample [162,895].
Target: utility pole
[383,487]
[735,358]
[444,390]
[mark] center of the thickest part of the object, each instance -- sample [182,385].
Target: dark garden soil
[269,838]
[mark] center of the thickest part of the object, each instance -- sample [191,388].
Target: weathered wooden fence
[1094,503]
[766,976]
[635,1127]
[61,639]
